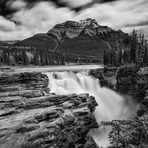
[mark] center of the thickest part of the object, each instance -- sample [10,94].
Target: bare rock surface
[13,82]
[106,76]
[30,117]
[128,80]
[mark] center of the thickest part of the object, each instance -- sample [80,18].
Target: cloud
[118,14]
[76,3]
[18,4]
[39,19]
[6,25]
[42,16]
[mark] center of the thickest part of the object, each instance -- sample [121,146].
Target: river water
[111,105]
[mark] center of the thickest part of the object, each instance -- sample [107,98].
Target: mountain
[72,29]
[80,42]
[41,40]
[85,37]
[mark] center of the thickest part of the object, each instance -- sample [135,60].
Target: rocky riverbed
[131,81]
[127,80]
[31,117]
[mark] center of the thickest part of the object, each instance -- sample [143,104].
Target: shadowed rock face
[106,76]
[133,81]
[23,82]
[87,37]
[32,118]
[129,80]
[71,29]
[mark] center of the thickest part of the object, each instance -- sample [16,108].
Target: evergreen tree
[133,46]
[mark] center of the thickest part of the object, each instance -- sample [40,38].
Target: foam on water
[111,105]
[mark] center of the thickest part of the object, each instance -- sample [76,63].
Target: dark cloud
[58,3]
[23,18]
[104,1]
[66,3]
[6,9]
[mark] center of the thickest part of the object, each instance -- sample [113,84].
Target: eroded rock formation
[106,76]
[30,117]
[131,80]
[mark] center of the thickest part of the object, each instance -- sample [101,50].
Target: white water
[110,104]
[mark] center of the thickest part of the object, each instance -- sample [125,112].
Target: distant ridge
[73,29]
[41,40]
[79,42]
[85,37]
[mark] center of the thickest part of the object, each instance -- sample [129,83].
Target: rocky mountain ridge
[71,29]
[80,42]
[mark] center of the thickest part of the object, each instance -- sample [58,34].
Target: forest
[136,52]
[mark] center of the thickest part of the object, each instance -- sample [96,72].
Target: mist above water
[111,105]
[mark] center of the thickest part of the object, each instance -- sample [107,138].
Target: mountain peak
[71,29]
[89,22]
[80,24]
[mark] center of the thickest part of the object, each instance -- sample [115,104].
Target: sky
[20,19]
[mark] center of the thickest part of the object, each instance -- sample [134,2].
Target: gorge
[72,108]
[111,106]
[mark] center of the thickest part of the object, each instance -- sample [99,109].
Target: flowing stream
[111,105]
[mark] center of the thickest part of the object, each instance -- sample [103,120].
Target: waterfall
[111,105]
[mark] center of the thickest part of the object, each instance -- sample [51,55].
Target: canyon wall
[31,117]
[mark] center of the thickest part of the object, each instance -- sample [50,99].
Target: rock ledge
[31,118]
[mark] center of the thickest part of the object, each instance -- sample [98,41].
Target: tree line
[21,55]
[29,55]
[135,52]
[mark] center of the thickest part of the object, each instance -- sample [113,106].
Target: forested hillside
[84,42]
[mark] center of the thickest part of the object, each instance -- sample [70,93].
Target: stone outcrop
[132,81]
[30,117]
[99,74]
[106,76]
[143,108]
[23,82]
[128,80]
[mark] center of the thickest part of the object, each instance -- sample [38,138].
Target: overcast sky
[20,19]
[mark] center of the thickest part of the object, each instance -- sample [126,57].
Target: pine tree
[105,58]
[133,46]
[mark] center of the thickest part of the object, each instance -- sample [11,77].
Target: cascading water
[111,106]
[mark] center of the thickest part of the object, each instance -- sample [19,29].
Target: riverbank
[42,119]
[20,69]
[130,80]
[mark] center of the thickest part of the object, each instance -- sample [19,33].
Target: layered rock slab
[33,118]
